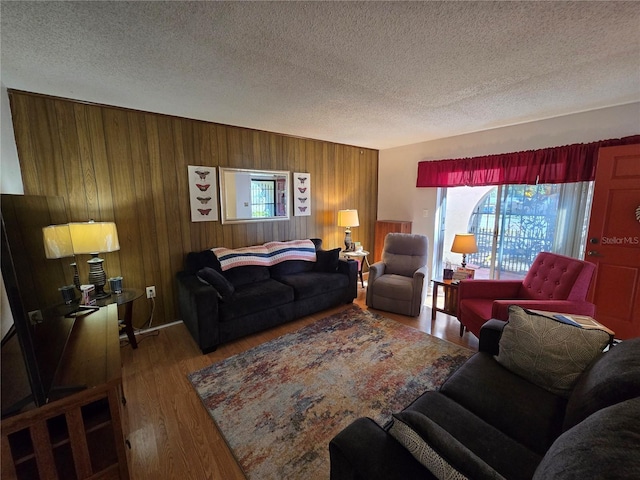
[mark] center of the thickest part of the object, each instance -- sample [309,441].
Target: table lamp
[57,244]
[464,243]
[348,218]
[93,238]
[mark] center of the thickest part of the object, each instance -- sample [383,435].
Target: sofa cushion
[604,445]
[311,284]
[223,286]
[525,412]
[289,267]
[437,450]
[547,352]
[247,275]
[613,378]
[197,260]
[255,297]
[327,261]
[502,453]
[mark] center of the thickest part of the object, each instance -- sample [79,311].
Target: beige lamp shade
[348,218]
[94,237]
[57,241]
[464,243]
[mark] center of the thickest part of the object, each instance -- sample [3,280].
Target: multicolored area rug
[279,404]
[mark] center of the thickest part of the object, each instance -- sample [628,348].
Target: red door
[613,243]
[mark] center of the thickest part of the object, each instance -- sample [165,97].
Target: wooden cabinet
[79,435]
[387,226]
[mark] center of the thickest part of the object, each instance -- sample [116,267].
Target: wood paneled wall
[127,166]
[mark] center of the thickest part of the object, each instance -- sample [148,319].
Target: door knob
[593,253]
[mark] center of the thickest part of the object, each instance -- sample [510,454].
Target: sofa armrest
[364,451]
[490,334]
[198,305]
[488,289]
[420,274]
[441,452]
[500,308]
[350,268]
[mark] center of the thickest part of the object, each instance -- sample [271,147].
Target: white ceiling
[371,74]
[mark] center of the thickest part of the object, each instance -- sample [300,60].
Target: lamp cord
[153,309]
[149,322]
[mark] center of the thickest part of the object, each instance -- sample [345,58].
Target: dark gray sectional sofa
[253,298]
[489,423]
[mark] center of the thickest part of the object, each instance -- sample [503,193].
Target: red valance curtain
[569,163]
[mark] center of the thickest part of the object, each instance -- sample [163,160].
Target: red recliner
[554,283]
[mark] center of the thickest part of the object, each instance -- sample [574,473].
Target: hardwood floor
[171,434]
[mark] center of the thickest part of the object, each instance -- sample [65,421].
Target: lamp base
[97,276]
[76,276]
[348,244]
[100,293]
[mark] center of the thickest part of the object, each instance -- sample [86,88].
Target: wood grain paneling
[115,164]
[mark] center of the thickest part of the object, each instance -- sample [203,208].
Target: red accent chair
[554,283]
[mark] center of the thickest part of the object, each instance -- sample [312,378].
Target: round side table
[362,255]
[125,298]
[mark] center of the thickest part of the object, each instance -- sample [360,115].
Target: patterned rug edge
[247,459]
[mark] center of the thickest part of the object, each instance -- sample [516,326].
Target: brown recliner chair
[396,284]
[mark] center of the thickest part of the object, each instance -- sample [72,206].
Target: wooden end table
[125,298]
[450,299]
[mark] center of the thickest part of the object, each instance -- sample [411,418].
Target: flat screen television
[34,344]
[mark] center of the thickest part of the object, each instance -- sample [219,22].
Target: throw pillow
[317,242]
[546,352]
[327,260]
[437,449]
[223,286]
[197,260]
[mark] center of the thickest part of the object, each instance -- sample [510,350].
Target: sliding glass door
[512,224]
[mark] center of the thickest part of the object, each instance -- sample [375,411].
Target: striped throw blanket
[266,255]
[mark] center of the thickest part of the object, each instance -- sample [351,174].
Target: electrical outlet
[35,317]
[151,292]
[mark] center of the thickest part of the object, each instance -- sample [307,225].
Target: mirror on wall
[253,195]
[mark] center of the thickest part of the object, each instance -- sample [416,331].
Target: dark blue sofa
[489,423]
[262,297]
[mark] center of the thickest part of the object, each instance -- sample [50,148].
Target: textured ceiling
[371,74]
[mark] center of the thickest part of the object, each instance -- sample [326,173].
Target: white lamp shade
[94,237]
[57,241]
[464,243]
[348,218]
